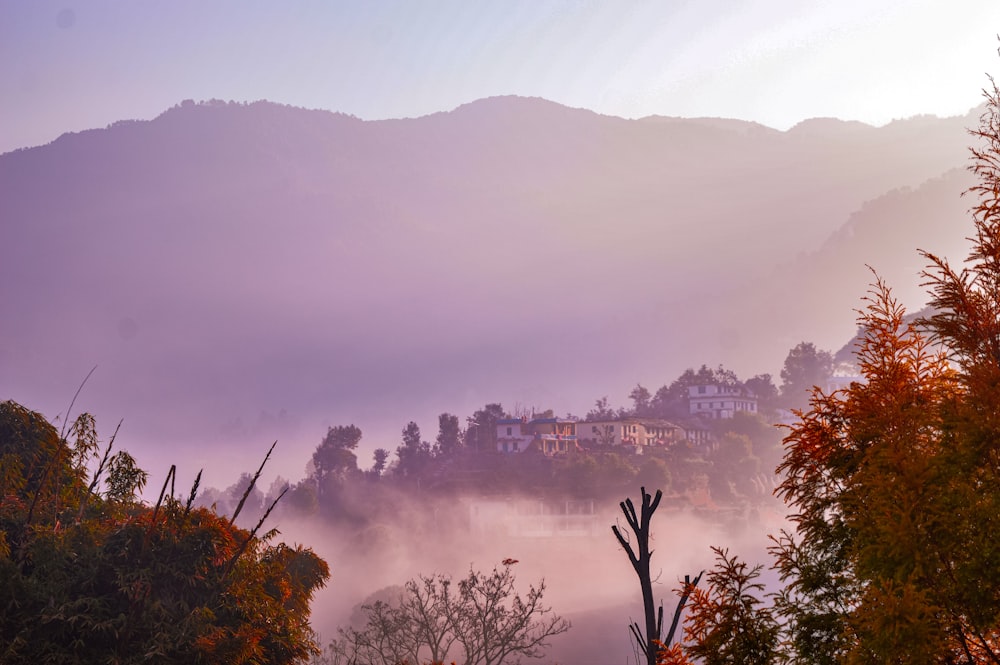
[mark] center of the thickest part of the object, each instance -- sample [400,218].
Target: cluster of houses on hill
[552,436]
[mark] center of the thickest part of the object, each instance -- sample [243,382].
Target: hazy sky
[69,66]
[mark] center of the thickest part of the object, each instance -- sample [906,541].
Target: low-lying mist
[587,575]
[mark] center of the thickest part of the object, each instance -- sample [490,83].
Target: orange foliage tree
[865,471]
[89,573]
[893,484]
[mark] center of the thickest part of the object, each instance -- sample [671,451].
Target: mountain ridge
[189,104]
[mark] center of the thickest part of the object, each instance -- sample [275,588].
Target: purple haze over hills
[241,273]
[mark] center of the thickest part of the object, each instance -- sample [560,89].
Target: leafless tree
[428,604]
[650,640]
[382,640]
[482,613]
[494,624]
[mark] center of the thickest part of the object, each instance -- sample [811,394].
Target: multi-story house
[715,401]
[628,431]
[549,435]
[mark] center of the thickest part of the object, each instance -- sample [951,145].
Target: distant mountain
[258,271]
[819,291]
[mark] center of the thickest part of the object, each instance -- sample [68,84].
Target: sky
[72,66]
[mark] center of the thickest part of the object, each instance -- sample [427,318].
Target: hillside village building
[549,435]
[714,401]
[629,431]
[558,435]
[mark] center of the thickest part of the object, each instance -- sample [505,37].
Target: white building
[550,435]
[629,431]
[714,401]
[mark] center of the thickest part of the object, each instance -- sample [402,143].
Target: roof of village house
[537,421]
[631,419]
[728,388]
[658,422]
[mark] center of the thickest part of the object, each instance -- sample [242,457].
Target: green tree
[335,457]
[414,454]
[380,460]
[602,410]
[763,388]
[481,433]
[640,397]
[804,368]
[449,438]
